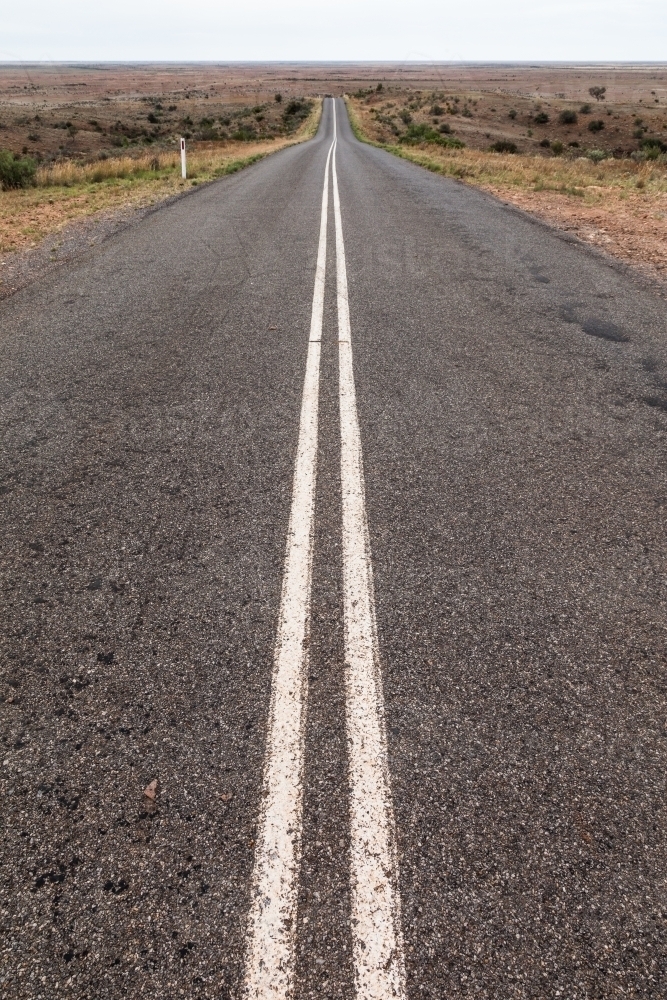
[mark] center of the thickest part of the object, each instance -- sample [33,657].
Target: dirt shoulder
[618,204]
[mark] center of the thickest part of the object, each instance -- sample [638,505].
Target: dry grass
[619,205]
[579,178]
[69,190]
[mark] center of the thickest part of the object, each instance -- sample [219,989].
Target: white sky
[176,30]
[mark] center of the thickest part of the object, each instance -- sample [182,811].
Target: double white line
[376,930]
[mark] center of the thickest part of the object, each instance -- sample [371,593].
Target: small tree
[597,92]
[278,98]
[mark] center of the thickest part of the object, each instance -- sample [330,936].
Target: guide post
[183,169]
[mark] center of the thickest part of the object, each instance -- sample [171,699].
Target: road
[340,429]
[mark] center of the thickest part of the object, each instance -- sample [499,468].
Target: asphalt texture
[512,395]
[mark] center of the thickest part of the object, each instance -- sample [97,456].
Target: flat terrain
[525,105]
[59,110]
[511,397]
[85,111]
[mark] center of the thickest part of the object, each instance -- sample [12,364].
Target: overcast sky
[175,30]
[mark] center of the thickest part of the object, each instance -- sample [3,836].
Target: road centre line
[376,919]
[269,969]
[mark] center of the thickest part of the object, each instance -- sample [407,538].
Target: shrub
[585,109]
[542,118]
[557,147]
[295,113]
[424,133]
[15,172]
[596,155]
[503,146]
[653,147]
[153,119]
[597,92]
[567,117]
[294,107]
[379,88]
[244,135]
[278,98]
[405,116]
[445,128]
[596,125]
[512,114]
[545,143]
[437,110]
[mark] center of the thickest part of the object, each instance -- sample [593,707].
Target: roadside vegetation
[40,198]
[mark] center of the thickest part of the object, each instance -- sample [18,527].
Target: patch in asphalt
[604,330]
[657,402]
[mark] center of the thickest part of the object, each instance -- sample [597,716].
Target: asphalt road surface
[457,788]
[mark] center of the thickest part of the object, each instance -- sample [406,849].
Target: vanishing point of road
[334,608]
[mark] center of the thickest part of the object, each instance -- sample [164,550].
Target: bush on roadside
[568,117]
[503,146]
[585,109]
[653,148]
[597,155]
[244,135]
[16,172]
[542,118]
[596,125]
[295,114]
[557,147]
[424,133]
[545,143]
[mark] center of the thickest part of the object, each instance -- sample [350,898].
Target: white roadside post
[183,170]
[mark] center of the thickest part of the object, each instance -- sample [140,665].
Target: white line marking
[269,970]
[377,936]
